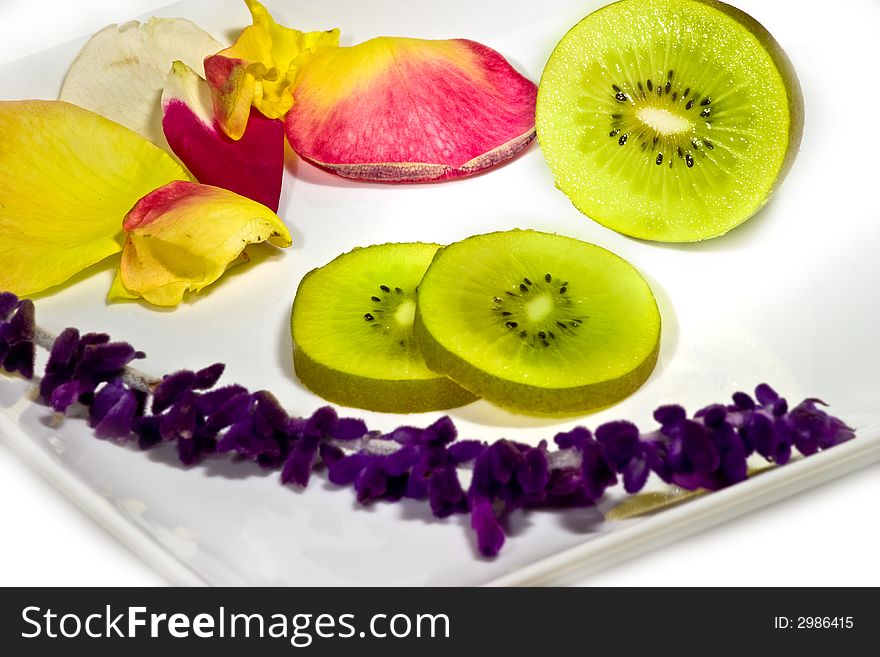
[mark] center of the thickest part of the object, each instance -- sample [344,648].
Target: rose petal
[121,70]
[410,110]
[182,237]
[252,166]
[69,177]
[259,69]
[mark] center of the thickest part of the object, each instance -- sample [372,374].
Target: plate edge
[97,507]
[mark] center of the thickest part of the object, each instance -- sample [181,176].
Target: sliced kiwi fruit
[669,120]
[537,323]
[352,332]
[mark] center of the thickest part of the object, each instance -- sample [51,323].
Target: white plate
[782,299]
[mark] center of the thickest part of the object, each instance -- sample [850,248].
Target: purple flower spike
[709,450]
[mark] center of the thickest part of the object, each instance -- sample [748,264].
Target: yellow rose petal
[259,69]
[182,238]
[68,178]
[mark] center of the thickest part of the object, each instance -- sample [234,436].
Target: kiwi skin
[789,78]
[386,396]
[530,400]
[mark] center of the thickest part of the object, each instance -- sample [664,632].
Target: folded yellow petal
[68,178]
[259,69]
[182,238]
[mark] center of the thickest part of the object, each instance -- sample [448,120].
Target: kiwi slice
[537,323]
[669,120]
[352,332]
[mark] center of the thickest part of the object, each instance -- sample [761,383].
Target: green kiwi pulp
[537,323]
[352,325]
[669,120]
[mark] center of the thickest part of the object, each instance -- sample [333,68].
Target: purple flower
[620,443]
[445,493]
[343,471]
[113,410]
[490,535]
[17,352]
[8,303]
[171,388]
[597,473]
[298,466]
[533,474]
[79,364]
[261,430]
[812,428]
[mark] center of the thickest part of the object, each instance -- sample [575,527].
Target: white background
[827,536]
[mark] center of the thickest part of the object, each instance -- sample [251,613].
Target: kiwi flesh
[669,120]
[351,325]
[537,323]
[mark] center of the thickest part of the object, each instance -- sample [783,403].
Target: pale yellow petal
[121,71]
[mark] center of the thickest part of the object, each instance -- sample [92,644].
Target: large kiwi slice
[669,120]
[352,331]
[537,323]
